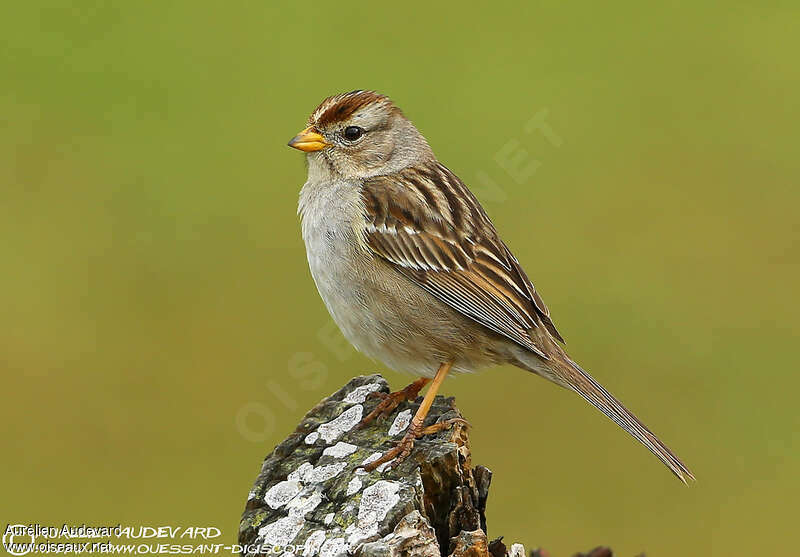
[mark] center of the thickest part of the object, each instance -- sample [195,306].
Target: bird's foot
[400,452]
[393,400]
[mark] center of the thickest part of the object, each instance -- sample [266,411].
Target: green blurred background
[160,332]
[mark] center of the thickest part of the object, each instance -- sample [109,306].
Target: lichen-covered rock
[313,496]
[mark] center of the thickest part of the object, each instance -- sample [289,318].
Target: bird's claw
[403,448]
[392,400]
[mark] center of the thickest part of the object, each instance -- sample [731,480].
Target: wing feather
[426,223]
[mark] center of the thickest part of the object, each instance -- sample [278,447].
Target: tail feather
[583,384]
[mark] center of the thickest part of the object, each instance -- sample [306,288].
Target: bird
[414,273]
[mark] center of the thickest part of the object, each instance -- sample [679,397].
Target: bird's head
[361,134]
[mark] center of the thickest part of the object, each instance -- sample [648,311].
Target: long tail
[583,384]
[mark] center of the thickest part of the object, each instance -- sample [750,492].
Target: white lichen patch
[310,474]
[340,450]
[400,422]
[324,473]
[282,531]
[343,423]
[304,503]
[328,519]
[353,486]
[517,550]
[376,502]
[378,499]
[281,493]
[312,437]
[313,543]
[359,394]
[301,472]
[334,547]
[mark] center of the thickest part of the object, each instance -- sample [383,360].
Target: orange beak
[308,140]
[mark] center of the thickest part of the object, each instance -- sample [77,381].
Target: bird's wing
[428,225]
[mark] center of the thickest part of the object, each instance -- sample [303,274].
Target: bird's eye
[351,133]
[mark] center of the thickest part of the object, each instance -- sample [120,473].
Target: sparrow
[414,273]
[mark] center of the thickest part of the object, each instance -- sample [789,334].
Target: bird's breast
[381,312]
[332,227]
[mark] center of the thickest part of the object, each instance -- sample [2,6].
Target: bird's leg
[416,429]
[392,400]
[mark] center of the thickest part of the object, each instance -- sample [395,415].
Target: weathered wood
[313,496]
